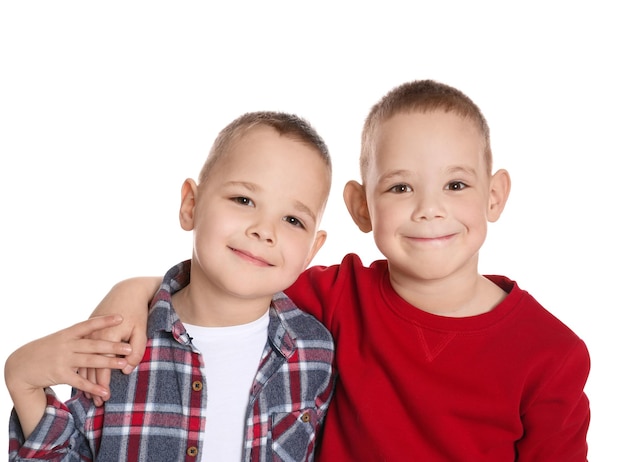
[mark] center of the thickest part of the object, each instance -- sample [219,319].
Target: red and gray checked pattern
[157,413]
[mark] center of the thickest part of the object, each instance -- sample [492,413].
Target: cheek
[208,229]
[385,220]
[296,249]
[472,214]
[388,214]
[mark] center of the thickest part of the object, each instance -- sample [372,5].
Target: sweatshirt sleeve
[319,289]
[305,293]
[557,419]
[54,438]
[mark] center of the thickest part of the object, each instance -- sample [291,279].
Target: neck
[207,309]
[454,296]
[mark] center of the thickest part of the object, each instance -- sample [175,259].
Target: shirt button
[306,417]
[196,385]
[192,451]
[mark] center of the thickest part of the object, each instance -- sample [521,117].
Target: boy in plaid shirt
[233,369]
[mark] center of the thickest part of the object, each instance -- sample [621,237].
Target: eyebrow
[394,173]
[404,172]
[249,186]
[252,187]
[461,169]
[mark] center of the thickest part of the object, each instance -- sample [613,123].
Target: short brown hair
[285,124]
[421,96]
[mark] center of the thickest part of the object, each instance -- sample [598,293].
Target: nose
[262,230]
[428,206]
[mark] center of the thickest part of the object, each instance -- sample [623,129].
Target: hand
[55,360]
[132,296]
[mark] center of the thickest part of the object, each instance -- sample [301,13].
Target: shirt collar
[162,316]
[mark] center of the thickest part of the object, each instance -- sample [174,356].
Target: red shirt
[506,385]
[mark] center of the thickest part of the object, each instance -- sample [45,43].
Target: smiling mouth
[247,256]
[433,240]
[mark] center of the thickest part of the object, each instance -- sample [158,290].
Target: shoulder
[350,268]
[296,322]
[532,318]
[352,262]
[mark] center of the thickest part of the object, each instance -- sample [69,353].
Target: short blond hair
[421,96]
[289,125]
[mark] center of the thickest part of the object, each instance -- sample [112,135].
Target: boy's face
[255,218]
[429,195]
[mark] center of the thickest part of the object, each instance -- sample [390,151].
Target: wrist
[14,382]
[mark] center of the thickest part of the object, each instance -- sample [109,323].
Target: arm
[54,360]
[557,419]
[131,297]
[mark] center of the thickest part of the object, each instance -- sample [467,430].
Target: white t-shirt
[231,358]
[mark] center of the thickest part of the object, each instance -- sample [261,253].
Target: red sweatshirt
[506,385]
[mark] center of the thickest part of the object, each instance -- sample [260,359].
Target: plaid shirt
[158,412]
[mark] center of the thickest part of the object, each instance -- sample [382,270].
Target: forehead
[263,145]
[434,135]
[263,157]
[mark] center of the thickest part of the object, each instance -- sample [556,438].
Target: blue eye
[400,188]
[294,221]
[456,186]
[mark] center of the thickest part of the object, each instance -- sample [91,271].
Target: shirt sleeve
[54,438]
[319,287]
[305,294]
[556,421]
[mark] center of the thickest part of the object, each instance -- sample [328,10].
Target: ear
[188,197]
[356,202]
[320,238]
[500,187]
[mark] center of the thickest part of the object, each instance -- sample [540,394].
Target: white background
[106,107]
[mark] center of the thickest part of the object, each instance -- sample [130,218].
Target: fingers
[89,327]
[97,360]
[91,389]
[84,373]
[100,330]
[100,356]
[101,347]
[56,359]
[103,379]
[138,340]
[94,380]
[89,373]
[98,370]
